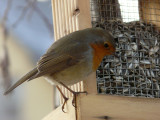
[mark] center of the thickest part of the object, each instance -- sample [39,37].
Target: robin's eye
[106,45]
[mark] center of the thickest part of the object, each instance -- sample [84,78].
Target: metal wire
[135,26]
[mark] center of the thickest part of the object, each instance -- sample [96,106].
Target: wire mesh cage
[135,25]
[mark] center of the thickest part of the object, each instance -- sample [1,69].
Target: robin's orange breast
[99,51]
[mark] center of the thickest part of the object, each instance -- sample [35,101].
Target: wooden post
[84,21]
[149,11]
[90,84]
[84,18]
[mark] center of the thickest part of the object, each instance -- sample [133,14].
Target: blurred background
[26,31]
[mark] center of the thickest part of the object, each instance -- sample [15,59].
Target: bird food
[135,71]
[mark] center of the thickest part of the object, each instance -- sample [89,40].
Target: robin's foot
[65,101]
[73,92]
[74,97]
[64,97]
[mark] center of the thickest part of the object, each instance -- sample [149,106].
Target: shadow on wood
[58,114]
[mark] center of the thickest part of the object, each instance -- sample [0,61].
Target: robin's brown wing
[53,62]
[56,65]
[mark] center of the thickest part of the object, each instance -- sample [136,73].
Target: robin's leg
[64,97]
[73,92]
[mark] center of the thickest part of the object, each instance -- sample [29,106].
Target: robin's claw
[64,97]
[73,102]
[74,94]
[65,101]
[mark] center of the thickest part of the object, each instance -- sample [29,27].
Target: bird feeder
[135,69]
[129,82]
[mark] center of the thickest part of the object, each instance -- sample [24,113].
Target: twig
[33,6]
[24,11]
[4,62]
[42,15]
[6,12]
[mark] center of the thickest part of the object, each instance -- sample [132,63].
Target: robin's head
[102,44]
[101,41]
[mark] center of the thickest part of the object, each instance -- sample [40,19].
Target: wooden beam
[106,107]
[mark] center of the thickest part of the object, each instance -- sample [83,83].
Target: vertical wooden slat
[74,16]
[54,19]
[71,8]
[57,34]
[60,18]
[66,17]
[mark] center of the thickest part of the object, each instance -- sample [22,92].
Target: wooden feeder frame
[72,15]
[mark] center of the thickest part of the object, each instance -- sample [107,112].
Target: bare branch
[6,12]
[32,4]
[24,11]
[41,14]
[4,62]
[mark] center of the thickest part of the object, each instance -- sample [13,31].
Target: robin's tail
[29,75]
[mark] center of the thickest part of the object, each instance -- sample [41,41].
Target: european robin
[72,58]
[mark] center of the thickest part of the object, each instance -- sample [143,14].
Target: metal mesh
[135,25]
